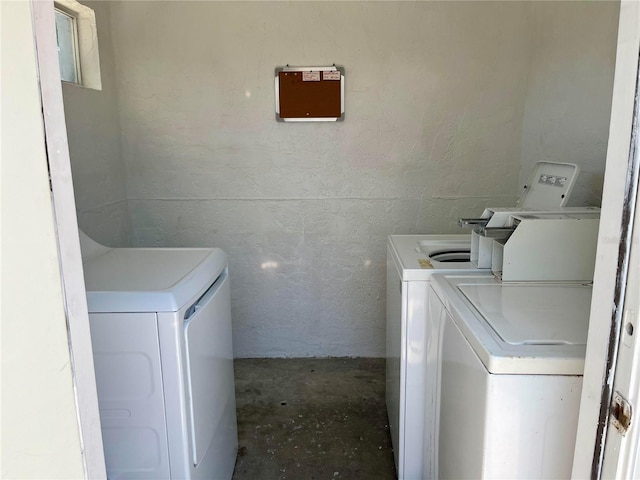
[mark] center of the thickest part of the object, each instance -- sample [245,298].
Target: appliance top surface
[590,215]
[516,210]
[520,328]
[533,314]
[149,279]
[411,254]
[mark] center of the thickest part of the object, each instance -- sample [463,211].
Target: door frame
[612,259]
[598,354]
[66,225]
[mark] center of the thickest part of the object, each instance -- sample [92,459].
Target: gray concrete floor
[312,419]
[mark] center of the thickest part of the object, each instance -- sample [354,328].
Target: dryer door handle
[206,296]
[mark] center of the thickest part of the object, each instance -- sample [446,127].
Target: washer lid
[150,279]
[534,314]
[526,328]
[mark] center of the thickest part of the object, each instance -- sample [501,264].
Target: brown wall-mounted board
[309,94]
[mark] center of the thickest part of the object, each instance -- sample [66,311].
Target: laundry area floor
[312,419]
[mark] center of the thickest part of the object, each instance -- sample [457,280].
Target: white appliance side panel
[210,385]
[436,317]
[547,250]
[413,386]
[130,394]
[485,252]
[531,426]
[89,248]
[170,327]
[393,347]
[463,402]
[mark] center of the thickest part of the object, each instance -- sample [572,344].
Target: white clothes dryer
[160,323]
[512,359]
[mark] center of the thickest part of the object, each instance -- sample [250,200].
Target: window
[67,36]
[77,38]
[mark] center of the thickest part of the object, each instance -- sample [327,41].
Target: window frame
[74,42]
[87,51]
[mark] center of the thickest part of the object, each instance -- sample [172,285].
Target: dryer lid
[150,279]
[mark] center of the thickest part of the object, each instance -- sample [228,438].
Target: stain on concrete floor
[312,419]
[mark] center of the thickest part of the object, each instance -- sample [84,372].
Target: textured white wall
[449,104]
[434,104]
[40,436]
[569,88]
[93,127]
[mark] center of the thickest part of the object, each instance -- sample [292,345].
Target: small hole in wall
[629,329]
[312,370]
[283,403]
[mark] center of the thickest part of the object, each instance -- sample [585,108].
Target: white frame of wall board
[72,267]
[68,240]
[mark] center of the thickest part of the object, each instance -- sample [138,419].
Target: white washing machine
[512,359]
[161,332]
[411,342]
[411,355]
[412,349]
